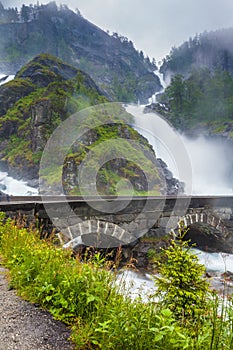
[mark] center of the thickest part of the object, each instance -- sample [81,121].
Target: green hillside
[45,92]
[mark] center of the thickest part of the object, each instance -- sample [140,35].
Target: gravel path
[23,326]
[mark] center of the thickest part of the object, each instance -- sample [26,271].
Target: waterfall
[204,165]
[210,159]
[212,164]
[166,141]
[153,98]
[135,284]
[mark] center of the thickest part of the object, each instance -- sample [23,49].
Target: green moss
[18,150]
[52,174]
[129,164]
[63,98]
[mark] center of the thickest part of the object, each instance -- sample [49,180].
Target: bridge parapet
[81,221]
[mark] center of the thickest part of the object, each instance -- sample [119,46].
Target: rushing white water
[167,143]
[136,285]
[211,166]
[204,165]
[153,98]
[15,187]
[216,262]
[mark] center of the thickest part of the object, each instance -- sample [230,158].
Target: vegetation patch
[204,96]
[83,294]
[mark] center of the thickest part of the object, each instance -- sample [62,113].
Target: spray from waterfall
[210,159]
[203,164]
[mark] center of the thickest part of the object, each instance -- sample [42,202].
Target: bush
[181,284]
[85,296]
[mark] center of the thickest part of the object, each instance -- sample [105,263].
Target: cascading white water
[137,285]
[210,159]
[153,98]
[166,142]
[204,165]
[15,187]
[211,167]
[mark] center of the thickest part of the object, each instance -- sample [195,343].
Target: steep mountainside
[44,93]
[112,61]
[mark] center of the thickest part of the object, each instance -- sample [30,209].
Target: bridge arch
[206,230]
[203,217]
[97,233]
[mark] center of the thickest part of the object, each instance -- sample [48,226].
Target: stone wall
[119,222]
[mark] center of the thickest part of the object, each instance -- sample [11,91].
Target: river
[138,284]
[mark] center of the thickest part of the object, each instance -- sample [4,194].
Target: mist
[212,165]
[205,165]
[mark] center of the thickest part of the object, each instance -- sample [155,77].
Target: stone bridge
[110,222]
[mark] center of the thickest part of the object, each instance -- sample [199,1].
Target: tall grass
[84,295]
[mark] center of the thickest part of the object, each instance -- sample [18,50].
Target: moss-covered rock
[44,94]
[135,163]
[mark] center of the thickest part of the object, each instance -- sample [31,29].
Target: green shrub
[181,284]
[85,296]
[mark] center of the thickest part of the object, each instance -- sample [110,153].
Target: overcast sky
[154,26]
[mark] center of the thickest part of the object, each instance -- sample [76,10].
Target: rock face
[40,116]
[174,186]
[210,239]
[125,167]
[33,104]
[112,61]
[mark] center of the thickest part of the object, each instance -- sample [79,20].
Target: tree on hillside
[204,97]
[25,13]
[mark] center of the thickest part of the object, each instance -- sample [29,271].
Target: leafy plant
[181,284]
[84,295]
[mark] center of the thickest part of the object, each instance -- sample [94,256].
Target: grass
[83,294]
